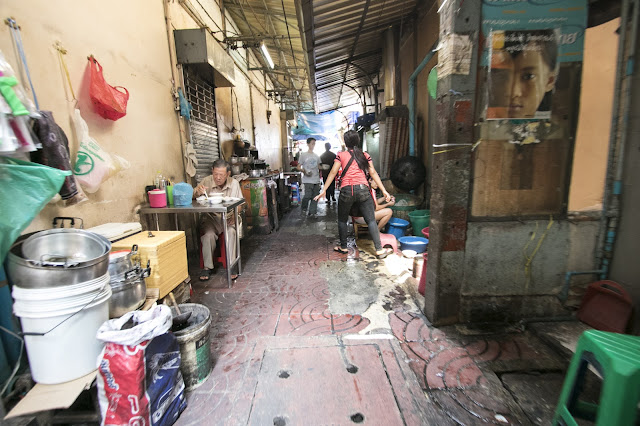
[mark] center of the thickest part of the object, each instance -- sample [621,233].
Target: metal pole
[412,98]
[619,123]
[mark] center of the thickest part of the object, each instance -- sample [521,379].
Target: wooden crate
[167,253]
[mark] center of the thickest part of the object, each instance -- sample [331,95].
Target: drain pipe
[620,120]
[564,293]
[412,98]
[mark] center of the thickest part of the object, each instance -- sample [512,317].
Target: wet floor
[307,336]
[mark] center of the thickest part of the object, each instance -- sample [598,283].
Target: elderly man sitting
[211,225]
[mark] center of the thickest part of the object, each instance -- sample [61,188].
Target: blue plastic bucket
[418,244]
[397,227]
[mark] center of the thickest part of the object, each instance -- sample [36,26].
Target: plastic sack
[93,164]
[26,188]
[182,194]
[150,324]
[139,378]
[107,100]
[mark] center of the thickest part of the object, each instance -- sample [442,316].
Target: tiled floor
[293,343]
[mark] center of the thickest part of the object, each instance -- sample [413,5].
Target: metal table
[195,208]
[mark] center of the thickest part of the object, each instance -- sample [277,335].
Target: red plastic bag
[107,100]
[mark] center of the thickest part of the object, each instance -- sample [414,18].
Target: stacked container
[61,293]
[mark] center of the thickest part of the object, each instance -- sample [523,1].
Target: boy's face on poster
[532,79]
[518,84]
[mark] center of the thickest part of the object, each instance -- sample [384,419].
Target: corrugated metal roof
[345,47]
[275,22]
[325,50]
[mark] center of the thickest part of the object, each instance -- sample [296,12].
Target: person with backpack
[355,192]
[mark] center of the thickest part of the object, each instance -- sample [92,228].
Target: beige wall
[243,107]
[134,54]
[594,122]
[130,41]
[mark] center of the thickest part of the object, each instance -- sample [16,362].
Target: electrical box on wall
[287,114]
[201,51]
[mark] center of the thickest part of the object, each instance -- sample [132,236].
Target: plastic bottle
[158,180]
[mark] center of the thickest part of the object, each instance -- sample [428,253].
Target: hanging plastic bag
[55,153]
[139,378]
[93,164]
[107,100]
[26,187]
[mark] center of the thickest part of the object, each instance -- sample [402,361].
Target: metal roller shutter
[203,124]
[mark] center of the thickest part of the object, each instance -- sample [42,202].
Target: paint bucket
[194,345]
[68,319]
[397,227]
[419,220]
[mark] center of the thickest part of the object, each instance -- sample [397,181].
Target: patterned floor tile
[280,305]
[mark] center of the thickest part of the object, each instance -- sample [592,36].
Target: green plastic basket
[407,203]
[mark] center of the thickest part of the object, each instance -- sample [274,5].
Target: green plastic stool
[616,357]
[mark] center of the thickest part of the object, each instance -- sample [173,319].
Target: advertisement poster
[526,43]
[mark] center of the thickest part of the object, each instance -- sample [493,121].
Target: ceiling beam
[304,12]
[353,50]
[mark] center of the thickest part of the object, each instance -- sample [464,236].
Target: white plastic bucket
[70,294]
[71,349]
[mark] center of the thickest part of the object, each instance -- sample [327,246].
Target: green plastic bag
[25,188]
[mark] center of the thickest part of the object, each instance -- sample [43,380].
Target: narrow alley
[306,336]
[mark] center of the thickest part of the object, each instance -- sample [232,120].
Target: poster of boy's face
[522,74]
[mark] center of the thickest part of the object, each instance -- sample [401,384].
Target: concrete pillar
[451,170]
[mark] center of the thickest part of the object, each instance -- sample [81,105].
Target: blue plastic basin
[397,227]
[418,244]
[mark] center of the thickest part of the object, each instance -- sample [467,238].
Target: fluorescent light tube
[265,52]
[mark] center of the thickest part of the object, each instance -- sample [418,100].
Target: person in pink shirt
[354,191]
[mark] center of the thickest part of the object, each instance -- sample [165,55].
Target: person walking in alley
[220,181]
[354,191]
[327,158]
[309,166]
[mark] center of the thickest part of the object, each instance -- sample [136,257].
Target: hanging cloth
[185,106]
[190,159]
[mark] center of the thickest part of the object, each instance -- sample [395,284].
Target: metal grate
[204,131]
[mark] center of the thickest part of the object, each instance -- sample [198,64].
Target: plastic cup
[169,190]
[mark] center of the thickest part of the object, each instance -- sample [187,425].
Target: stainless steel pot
[128,292]
[263,172]
[65,247]
[29,273]
[245,160]
[236,169]
[235,160]
[254,173]
[121,261]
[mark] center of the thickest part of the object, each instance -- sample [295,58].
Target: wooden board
[166,252]
[510,180]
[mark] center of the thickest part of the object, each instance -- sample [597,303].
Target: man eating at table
[220,183]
